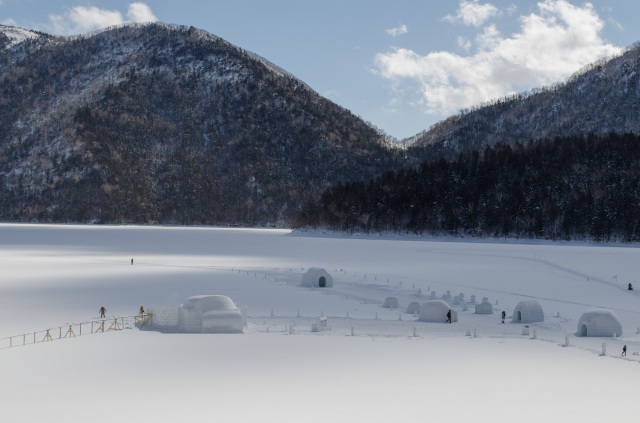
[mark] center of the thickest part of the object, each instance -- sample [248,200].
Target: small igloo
[436,311]
[484,307]
[210,313]
[317,277]
[528,312]
[391,302]
[599,322]
[413,308]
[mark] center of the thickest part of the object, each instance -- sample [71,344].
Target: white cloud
[473,13]
[394,32]
[83,19]
[550,45]
[140,12]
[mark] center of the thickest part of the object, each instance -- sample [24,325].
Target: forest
[585,188]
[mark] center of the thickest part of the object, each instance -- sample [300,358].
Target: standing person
[624,350]
[103,311]
[448,317]
[630,288]
[132,262]
[504,315]
[141,310]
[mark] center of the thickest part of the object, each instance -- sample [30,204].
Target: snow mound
[599,322]
[436,311]
[210,313]
[528,312]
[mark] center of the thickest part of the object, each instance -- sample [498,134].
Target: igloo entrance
[583,330]
[322,282]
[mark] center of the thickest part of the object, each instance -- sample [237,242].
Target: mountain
[602,98]
[158,123]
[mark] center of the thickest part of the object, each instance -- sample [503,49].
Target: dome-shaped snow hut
[210,313]
[317,277]
[391,302]
[413,308]
[528,312]
[436,311]
[599,322]
[484,307]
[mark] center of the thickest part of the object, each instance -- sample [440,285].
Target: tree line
[585,188]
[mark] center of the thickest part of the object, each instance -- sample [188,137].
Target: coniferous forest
[569,188]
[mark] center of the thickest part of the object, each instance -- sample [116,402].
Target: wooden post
[70,332]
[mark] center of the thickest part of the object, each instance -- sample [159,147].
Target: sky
[401,65]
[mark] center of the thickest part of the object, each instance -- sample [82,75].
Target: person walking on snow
[504,315]
[448,317]
[624,350]
[103,311]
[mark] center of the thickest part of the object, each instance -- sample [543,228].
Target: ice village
[220,314]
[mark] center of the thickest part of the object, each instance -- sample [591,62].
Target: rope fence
[72,330]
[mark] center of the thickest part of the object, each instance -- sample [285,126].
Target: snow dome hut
[436,311]
[484,307]
[528,312]
[317,277]
[210,313]
[390,302]
[599,322]
[413,308]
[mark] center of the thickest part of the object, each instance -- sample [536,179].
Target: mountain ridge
[599,99]
[170,124]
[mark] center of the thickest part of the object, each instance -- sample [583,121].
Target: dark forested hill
[568,188]
[157,123]
[601,99]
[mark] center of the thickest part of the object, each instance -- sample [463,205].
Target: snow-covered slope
[374,364]
[17,35]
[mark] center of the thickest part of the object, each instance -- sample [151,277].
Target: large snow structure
[317,277]
[414,308]
[484,307]
[164,319]
[390,302]
[436,311]
[528,312]
[210,313]
[202,313]
[599,322]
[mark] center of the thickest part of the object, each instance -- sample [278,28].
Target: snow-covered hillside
[17,35]
[373,364]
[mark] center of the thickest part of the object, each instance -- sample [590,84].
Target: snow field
[56,274]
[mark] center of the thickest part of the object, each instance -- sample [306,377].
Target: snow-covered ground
[373,365]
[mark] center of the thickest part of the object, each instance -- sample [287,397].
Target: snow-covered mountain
[159,123]
[603,98]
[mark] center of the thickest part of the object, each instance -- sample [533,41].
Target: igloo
[599,322]
[317,277]
[391,302]
[528,312]
[436,311]
[210,313]
[484,307]
[413,308]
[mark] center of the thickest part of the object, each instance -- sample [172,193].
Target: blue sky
[402,65]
